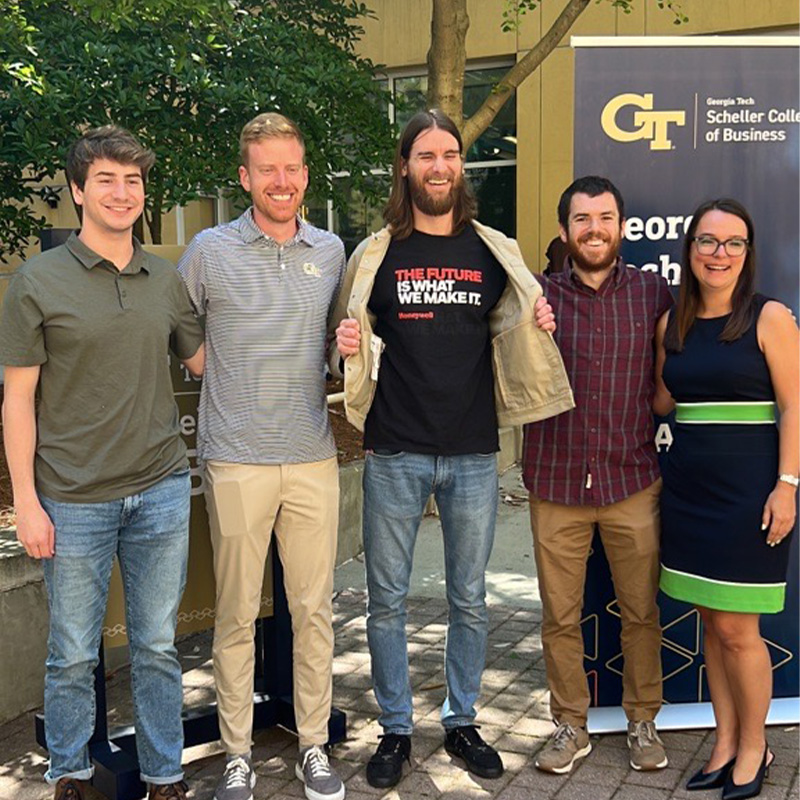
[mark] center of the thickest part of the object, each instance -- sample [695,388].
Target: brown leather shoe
[168,791]
[71,789]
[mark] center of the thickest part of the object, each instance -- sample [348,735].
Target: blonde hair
[269,125]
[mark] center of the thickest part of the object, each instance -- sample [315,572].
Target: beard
[594,262]
[434,205]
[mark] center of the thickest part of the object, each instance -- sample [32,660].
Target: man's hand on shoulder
[348,337]
[35,531]
[543,312]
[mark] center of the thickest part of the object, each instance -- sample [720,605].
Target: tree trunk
[153,216]
[447,58]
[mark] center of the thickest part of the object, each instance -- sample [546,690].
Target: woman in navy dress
[727,360]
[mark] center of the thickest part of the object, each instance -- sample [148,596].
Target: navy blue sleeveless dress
[722,465]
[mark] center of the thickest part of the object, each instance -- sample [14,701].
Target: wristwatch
[792,479]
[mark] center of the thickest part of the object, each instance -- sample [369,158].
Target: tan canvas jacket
[530,382]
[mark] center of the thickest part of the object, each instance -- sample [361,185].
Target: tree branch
[482,118]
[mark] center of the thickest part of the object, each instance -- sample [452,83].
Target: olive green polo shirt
[107,422]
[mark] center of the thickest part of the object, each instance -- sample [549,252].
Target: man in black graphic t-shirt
[442,309]
[436,390]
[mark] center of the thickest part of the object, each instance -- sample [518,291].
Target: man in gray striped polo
[266,283]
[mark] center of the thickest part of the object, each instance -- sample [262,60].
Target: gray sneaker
[647,749]
[314,769]
[564,747]
[237,781]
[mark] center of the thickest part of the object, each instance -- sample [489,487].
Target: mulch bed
[348,445]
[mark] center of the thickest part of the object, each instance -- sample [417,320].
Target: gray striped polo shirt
[266,307]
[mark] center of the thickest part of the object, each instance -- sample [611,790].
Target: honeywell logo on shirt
[436,286]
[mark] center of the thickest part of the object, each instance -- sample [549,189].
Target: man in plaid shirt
[597,465]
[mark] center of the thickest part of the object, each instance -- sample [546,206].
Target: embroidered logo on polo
[312,269]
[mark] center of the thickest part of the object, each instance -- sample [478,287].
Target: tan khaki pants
[246,502]
[562,536]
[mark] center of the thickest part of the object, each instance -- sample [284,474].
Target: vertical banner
[673,122]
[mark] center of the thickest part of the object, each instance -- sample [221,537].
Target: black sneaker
[385,768]
[480,758]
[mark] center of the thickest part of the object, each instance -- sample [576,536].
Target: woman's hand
[779,513]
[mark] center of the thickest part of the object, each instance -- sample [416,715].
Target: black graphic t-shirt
[435,392]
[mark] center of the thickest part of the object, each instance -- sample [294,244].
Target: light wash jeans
[149,533]
[396,489]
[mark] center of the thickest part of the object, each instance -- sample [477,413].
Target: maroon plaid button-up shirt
[602,451]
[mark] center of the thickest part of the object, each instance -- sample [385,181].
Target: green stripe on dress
[723,595]
[725,412]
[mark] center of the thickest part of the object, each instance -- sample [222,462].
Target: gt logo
[652,125]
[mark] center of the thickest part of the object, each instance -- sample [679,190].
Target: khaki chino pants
[562,537]
[246,502]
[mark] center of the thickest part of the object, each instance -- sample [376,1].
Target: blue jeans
[149,533]
[396,489]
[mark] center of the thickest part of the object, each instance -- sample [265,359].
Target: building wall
[399,36]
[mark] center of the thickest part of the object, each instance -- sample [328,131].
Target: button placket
[122,291]
[281,263]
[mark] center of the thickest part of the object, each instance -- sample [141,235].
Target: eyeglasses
[708,245]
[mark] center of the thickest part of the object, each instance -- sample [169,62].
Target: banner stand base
[687,716]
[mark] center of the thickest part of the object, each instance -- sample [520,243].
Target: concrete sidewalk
[512,709]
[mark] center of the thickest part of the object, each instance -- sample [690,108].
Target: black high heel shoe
[735,791]
[710,780]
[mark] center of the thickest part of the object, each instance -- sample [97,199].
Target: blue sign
[673,125]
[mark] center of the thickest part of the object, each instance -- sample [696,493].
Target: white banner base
[687,716]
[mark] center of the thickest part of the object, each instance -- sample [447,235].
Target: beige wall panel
[485,38]
[529,110]
[633,24]
[169,229]
[399,36]
[723,16]
[599,19]
[198,215]
[556,154]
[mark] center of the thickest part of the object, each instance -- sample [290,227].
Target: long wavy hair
[742,306]
[398,213]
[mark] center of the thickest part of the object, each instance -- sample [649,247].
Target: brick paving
[512,712]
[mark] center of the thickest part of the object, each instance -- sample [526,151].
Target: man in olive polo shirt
[97,465]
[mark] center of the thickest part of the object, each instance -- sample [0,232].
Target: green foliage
[185,77]
[515,10]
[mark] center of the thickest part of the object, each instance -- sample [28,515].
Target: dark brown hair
[398,212]
[741,318]
[593,186]
[111,142]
